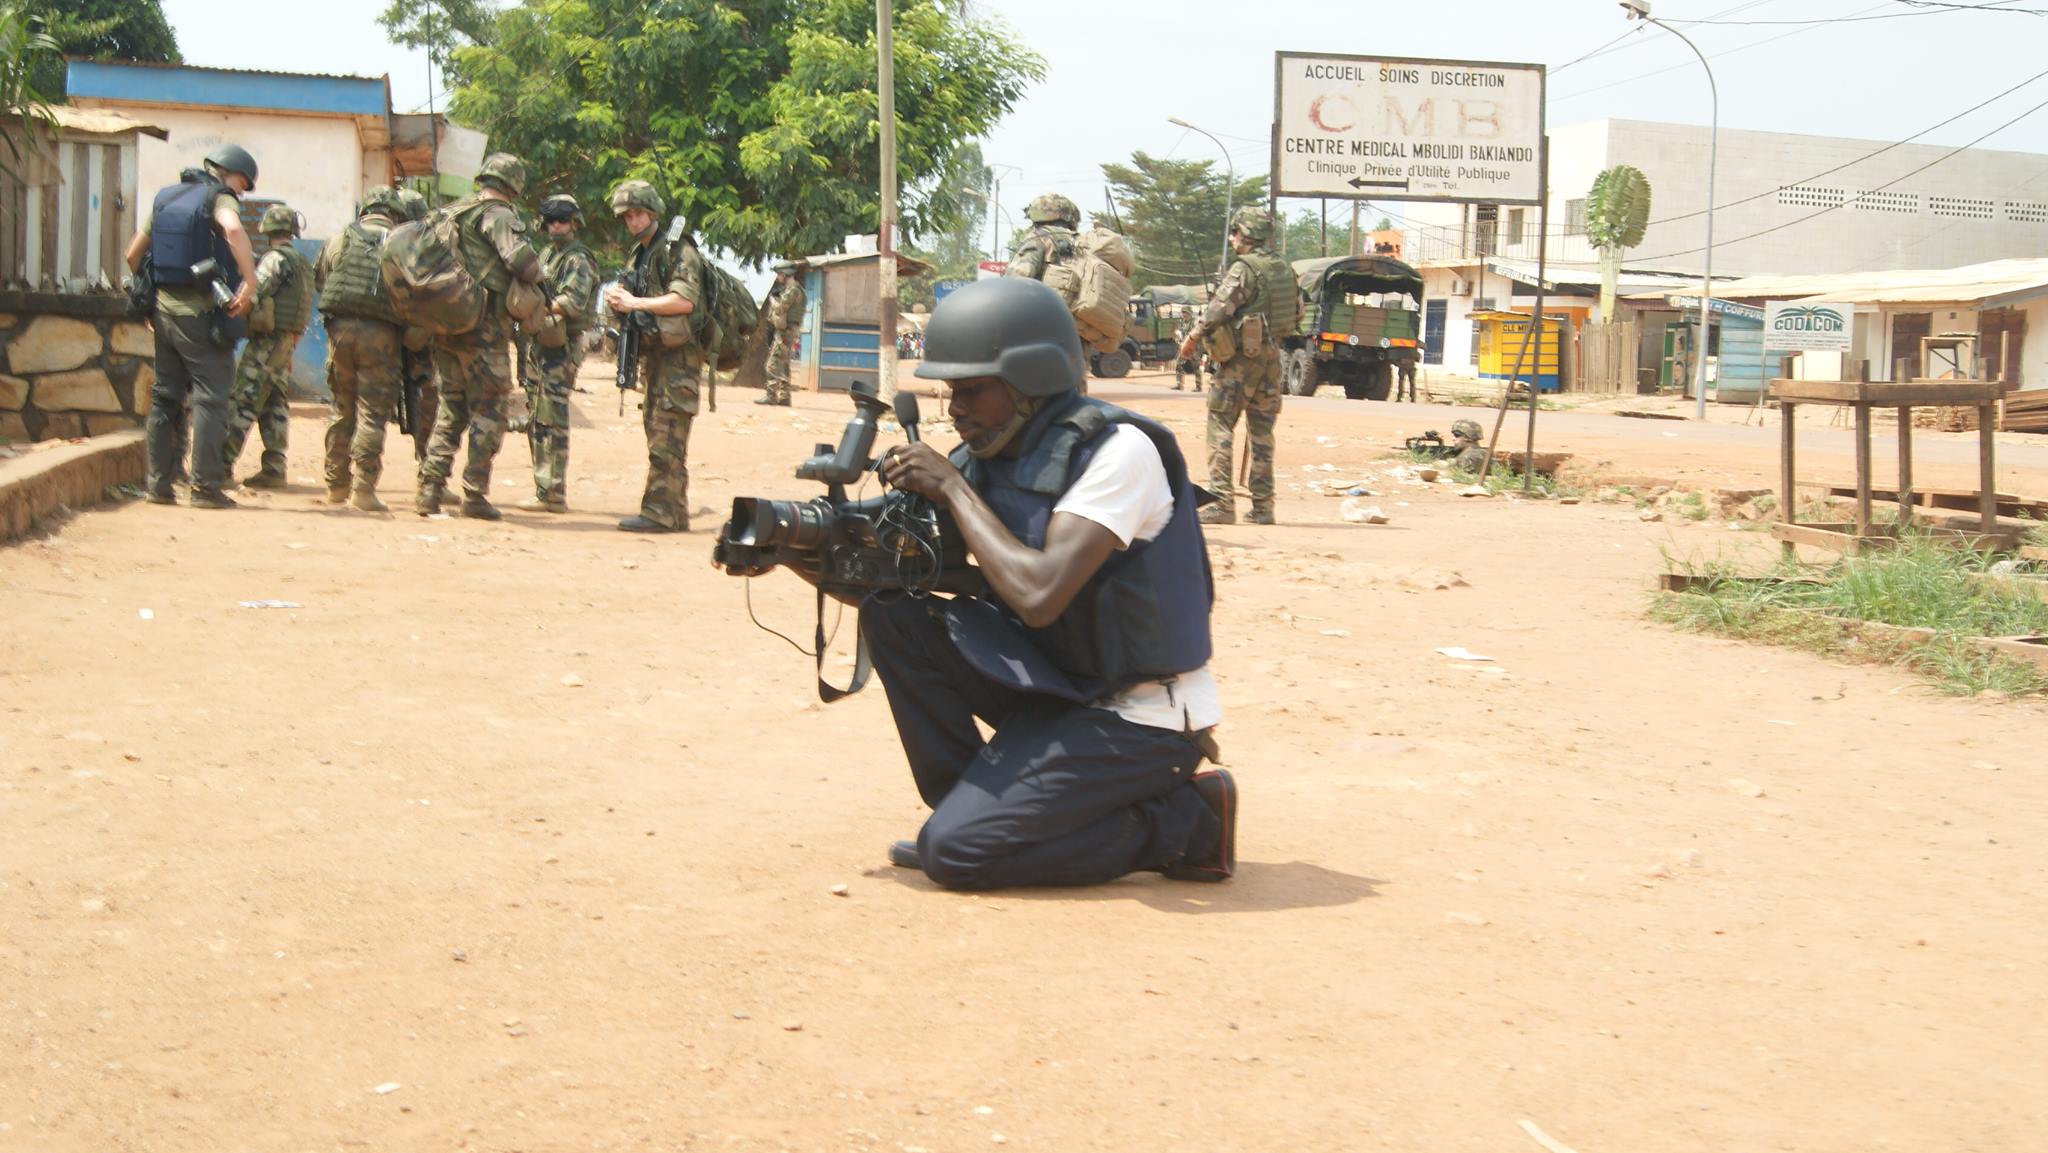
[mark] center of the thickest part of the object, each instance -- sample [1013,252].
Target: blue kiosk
[842,326]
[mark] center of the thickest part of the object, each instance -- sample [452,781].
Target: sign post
[1805,326]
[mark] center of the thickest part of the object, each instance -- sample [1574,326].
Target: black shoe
[212,498]
[160,496]
[1218,861]
[264,480]
[478,508]
[903,855]
[642,524]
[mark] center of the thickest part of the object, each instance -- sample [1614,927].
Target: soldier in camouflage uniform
[1471,455]
[416,357]
[783,315]
[1256,301]
[476,366]
[1055,224]
[284,296]
[362,351]
[672,273]
[553,351]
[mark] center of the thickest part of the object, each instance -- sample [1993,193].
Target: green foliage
[101,30]
[1920,584]
[955,252]
[439,26]
[1173,213]
[1303,239]
[756,119]
[24,105]
[1618,207]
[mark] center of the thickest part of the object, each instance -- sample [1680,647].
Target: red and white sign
[990,269]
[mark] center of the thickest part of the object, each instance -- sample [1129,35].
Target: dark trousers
[1061,795]
[188,365]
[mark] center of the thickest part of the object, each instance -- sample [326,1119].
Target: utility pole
[885,50]
[1354,228]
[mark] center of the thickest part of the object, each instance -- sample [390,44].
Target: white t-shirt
[1124,490]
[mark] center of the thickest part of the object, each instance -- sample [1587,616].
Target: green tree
[755,118]
[24,107]
[101,30]
[439,26]
[954,252]
[1617,213]
[1173,214]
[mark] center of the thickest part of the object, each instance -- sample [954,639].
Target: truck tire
[1373,382]
[1114,363]
[1299,375]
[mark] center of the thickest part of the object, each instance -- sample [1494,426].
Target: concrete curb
[37,486]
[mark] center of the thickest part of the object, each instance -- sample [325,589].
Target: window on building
[1485,229]
[1575,217]
[1515,221]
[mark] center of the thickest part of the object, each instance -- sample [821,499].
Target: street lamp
[1640,10]
[1229,188]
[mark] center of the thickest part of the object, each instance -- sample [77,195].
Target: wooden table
[1862,397]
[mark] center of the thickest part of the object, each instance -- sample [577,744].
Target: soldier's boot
[519,423]
[428,500]
[338,493]
[1218,513]
[543,504]
[364,497]
[478,508]
[212,498]
[264,479]
[1261,513]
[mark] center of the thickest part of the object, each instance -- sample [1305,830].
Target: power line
[1710,56]
[1863,192]
[1609,48]
[1922,8]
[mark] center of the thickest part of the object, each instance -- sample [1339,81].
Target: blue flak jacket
[1144,616]
[182,232]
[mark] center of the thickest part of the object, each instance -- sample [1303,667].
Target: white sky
[1119,68]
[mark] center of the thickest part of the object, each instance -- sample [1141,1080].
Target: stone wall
[71,366]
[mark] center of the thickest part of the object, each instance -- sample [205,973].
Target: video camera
[224,329]
[895,541]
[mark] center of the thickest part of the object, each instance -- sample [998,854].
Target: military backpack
[428,283]
[732,311]
[355,284]
[1095,283]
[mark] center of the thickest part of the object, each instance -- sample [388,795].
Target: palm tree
[1617,212]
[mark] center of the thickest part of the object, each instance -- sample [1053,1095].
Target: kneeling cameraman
[1089,654]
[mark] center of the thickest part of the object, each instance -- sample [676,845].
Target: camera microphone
[906,414]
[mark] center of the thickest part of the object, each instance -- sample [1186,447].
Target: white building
[1780,211]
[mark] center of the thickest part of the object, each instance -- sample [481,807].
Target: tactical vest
[182,232]
[553,261]
[292,305]
[355,287]
[1143,616]
[1055,242]
[1275,297]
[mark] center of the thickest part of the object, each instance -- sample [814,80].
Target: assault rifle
[631,327]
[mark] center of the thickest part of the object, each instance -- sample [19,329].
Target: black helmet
[234,158]
[1011,327]
[561,206]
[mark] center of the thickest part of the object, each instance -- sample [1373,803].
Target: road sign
[990,269]
[1807,326]
[941,289]
[1385,128]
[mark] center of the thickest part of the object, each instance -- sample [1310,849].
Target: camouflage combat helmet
[278,218]
[1465,430]
[384,202]
[1255,223]
[1052,208]
[561,206]
[412,204]
[506,171]
[637,194]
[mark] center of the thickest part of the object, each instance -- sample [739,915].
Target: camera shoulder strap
[862,665]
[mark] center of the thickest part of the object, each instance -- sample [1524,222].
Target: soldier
[1470,456]
[416,358]
[284,302]
[784,314]
[553,352]
[1404,380]
[1182,366]
[195,220]
[670,272]
[362,351]
[475,368]
[1055,223]
[1256,300]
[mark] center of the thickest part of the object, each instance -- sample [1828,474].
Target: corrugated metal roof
[103,122]
[1633,281]
[1968,284]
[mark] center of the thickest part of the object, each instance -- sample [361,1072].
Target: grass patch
[1920,584]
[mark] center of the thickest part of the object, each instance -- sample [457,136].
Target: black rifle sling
[862,666]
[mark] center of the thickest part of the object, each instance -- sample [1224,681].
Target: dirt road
[523,837]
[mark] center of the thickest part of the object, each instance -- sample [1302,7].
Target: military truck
[1361,320]
[1149,340]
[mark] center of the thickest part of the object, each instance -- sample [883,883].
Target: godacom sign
[1805,326]
[1387,128]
